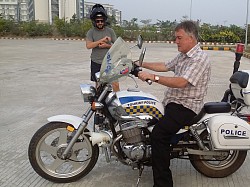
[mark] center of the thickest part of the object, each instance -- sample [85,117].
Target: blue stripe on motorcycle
[124,100]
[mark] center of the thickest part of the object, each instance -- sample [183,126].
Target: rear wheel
[218,166]
[47,146]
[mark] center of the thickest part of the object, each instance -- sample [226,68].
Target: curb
[77,39]
[217,48]
[228,47]
[83,39]
[14,38]
[247,55]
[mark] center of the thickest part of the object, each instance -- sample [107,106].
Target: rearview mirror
[139,41]
[141,58]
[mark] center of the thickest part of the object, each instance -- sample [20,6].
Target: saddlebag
[229,132]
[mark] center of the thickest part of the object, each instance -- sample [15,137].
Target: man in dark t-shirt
[99,38]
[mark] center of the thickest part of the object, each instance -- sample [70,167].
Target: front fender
[100,138]
[73,120]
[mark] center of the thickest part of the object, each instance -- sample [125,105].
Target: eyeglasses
[99,21]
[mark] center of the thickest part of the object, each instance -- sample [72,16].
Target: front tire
[218,167]
[46,147]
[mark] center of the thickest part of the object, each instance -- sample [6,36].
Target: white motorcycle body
[229,132]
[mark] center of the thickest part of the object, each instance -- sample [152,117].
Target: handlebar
[136,69]
[149,81]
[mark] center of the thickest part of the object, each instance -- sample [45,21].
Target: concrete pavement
[40,78]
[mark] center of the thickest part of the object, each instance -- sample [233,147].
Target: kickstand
[140,173]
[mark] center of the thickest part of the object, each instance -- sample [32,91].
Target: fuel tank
[134,102]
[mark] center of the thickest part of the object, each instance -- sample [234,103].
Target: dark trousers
[176,116]
[94,68]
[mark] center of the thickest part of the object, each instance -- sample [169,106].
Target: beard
[100,26]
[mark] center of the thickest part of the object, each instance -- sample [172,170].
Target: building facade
[111,11]
[46,10]
[14,9]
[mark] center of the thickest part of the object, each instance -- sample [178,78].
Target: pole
[190,16]
[64,19]
[18,11]
[83,9]
[246,24]
[50,13]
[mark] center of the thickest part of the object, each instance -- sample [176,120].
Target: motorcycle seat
[217,107]
[210,108]
[240,78]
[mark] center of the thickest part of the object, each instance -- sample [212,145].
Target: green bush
[161,31]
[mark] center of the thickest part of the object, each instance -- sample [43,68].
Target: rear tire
[218,167]
[46,147]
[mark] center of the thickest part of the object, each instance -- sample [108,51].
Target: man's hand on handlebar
[143,75]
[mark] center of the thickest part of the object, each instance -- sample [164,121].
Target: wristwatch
[156,78]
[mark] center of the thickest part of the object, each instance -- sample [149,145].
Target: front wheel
[215,166]
[47,146]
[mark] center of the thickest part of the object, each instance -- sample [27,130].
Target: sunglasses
[99,21]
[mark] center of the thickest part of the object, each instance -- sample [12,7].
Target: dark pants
[176,116]
[94,67]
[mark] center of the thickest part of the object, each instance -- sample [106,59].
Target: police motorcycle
[67,148]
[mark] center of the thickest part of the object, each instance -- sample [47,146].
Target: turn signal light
[96,105]
[70,128]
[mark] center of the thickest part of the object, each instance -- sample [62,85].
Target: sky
[214,12]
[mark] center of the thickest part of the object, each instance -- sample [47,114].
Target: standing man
[184,96]
[99,38]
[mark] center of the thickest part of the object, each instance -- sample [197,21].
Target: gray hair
[189,27]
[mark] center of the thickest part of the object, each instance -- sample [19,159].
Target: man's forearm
[155,66]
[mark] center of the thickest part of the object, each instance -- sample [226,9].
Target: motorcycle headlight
[88,92]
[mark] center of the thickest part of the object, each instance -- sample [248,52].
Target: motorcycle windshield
[117,62]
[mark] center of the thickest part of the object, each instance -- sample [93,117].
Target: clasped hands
[105,42]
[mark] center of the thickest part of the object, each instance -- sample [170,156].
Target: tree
[112,21]
[74,19]
[146,21]
[60,25]
[131,28]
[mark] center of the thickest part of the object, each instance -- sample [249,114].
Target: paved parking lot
[40,78]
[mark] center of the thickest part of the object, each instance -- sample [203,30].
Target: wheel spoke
[80,145]
[48,148]
[63,137]
[58,162]
[75,165]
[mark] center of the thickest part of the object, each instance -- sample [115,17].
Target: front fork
[86,117]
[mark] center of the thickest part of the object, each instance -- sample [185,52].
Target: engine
[135,141]
[133,109]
